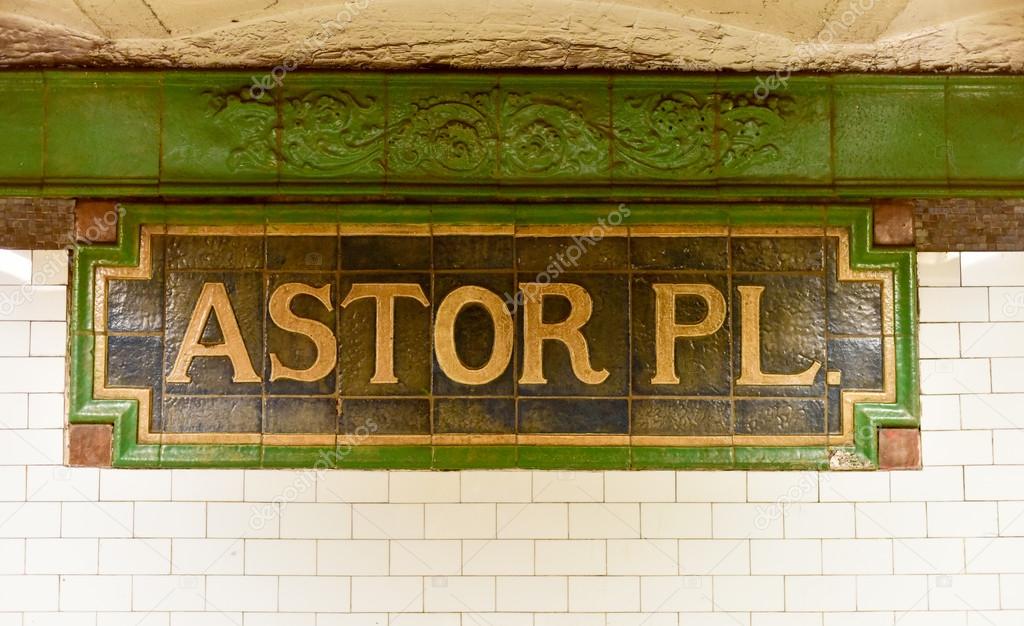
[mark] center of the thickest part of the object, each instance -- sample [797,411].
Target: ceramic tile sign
[397,345]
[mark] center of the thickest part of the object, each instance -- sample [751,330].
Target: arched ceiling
[839,35]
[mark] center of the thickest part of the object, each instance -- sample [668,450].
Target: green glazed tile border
[123,413]
[524,135]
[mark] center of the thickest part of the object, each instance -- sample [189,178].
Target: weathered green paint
[123,414]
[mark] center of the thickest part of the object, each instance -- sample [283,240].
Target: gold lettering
[536,332]
[321,336]
[750,346]
[385,294]
[213,299]
[667,330]
[444,335]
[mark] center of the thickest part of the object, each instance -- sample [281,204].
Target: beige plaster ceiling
[906,35]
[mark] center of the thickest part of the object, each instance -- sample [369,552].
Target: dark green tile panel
[103,126]
[21,126]
[780,135]
[890,129]
[215,130]
[555,128]
[333,126]
[986,128]
[442,129]
[677,136]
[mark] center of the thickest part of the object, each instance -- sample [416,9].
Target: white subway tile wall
[515,548]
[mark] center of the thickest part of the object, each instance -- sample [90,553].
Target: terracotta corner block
[894,224]
[96,221]
[899,448]
[89,445]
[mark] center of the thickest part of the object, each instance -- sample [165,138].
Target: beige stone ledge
[744,35]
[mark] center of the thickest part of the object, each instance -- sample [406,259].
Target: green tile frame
[521,135]
[123,414]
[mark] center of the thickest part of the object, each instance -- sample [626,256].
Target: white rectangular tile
[992,268]
[647,486]
[956,448]
[821,593]
[497,557]
[962,519]
[313,594]
[15,338]
[931,483]
[676,520]
[532,593]
[719,557]
[1006,304]
[749,593]
[940,341]
[387,521]
[676,593]
[352,557]
[29,593]
[319,520]
[568,486]
[785,556]
[959,376]
[208,556]
[396,594]
[461,521]
[425,557]
[133,484]
[218,484]
[135,556]
[856,556]
[953,304]
[424,487]
[49,339]
[928,556]
[895,519]
[62,556]
[241,593]
[280,557]
[940,412]
[809,520]
[13,410]
[95,593]
[697,486]
[460,594]
[352,486]
[604,520]
[50,267]
[96,519]
[892,593]
[496,486]
[549,520]
[643,557]
[605,594]
[938,269]
[170,519]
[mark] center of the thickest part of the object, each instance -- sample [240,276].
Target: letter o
[444,335]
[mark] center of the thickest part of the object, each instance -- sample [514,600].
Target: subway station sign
[612,343]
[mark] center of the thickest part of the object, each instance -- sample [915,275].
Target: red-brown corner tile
[96,221]
[89,445]
[894,224]
[899,448]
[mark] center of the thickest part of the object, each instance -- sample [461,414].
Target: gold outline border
[144,271]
